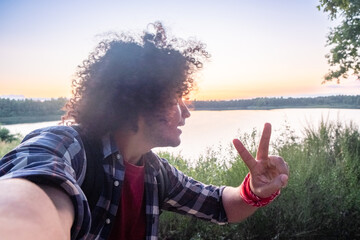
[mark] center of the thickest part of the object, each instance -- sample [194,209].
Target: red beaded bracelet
[250,198]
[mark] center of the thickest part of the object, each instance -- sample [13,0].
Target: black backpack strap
[162,180]
[94,177]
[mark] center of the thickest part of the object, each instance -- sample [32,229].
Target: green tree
[5,135]
[344,38]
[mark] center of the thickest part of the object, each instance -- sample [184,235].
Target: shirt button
[118,156]
[107,221]
[116,183]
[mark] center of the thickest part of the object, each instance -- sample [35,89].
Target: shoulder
[57,147]
[158,163]
[172,175]
[65,131]
[61,138]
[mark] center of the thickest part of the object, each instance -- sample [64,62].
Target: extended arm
[268,174]
[51,156]
[29,211]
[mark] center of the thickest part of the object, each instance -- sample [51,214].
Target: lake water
[211,129]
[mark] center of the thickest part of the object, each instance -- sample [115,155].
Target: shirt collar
[109,145]
[110,148]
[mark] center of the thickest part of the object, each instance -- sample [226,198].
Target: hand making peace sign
[267,173]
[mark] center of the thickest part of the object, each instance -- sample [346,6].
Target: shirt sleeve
[191,197]
[55,156]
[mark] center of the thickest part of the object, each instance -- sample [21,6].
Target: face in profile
[164,130]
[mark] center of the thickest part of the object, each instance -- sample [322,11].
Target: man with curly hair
[127,99]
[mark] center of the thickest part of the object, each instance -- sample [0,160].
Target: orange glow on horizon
[29,90]
[207,90]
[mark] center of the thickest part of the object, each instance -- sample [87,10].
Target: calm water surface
[211,129]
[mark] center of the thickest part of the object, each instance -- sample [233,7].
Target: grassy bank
[322,200]
[6,147]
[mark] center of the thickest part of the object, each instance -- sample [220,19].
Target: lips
[181,123]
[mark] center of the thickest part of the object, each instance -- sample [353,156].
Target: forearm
[27,212]
[236,209]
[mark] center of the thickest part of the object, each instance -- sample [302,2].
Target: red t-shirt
[130,218]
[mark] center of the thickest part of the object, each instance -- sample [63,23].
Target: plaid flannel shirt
[56,155]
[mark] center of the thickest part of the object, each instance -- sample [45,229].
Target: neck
[131,145]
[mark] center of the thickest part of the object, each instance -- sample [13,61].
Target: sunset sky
[259,48]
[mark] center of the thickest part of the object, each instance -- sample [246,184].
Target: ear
[140,124]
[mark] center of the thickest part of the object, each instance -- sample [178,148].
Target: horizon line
[22,97]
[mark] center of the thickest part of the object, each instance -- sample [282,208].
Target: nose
[185,113]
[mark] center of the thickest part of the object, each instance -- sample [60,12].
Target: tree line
[339,101]
[28,110]
[22,111]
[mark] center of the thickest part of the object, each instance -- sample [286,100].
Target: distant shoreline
[28,119]
[347,102]
[30,111]
[47,118]
[269,108]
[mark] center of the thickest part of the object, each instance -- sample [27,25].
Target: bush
[5,135]
[7,141]
[322,200]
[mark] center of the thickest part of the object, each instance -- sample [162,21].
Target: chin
[176,144]
[172,143]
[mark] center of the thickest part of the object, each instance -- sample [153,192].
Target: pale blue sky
[259,48]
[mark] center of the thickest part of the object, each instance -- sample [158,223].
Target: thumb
[275,185]
[272,187]
[280,182]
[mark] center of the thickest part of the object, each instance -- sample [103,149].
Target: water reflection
[212,129]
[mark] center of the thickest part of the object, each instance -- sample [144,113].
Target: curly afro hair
[128,76]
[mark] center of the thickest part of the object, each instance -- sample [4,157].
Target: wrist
[251,198]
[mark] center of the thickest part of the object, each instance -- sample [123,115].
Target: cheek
[174,116]
[171,117]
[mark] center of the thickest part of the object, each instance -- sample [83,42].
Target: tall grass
[6,147]
[321,201]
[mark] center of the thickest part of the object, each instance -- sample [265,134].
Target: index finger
[263,150]
[244,154]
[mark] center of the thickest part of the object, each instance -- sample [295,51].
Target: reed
[322,200]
